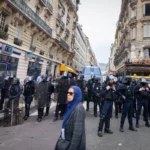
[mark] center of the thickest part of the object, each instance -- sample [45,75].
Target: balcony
[31,15]
[50,8]
[64,44]
[61,22]
[67,32]
[133,2]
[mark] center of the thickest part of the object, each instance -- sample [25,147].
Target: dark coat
[75,129]
[62,88]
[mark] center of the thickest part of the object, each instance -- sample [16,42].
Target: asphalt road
[32,135]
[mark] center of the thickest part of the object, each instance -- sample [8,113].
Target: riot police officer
[42,96]
[126,92]
[90,92]
[63,85]
[96,93]
[109,93]
[82,84]
[29,89]
[142,92]
[4,90]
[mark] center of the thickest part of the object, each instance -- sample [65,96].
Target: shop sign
[6,49]
[29,55]
[38,59]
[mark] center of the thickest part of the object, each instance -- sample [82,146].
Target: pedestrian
[73,128]
[142,92]
[126,92]
[29,89]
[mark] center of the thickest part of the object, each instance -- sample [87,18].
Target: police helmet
[69,75]
[97,79]
[16,81]
[81,76]
[44,77]
[110,77]
[127,80]
[143,80]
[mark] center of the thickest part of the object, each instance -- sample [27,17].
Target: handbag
[62,144]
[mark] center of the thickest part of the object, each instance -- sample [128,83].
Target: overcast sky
[99,19]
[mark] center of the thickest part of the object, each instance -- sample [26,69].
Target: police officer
[42,96]
[96,94]
[29,89]
[5,88]
[126,92]
[142,92]
[108,91]
[63,85]
[81,83]
[90,92]
[14,92]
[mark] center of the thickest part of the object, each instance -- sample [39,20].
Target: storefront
[8,63]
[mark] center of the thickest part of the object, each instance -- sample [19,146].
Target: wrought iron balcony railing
[31,15]
[64,44]
[60,20]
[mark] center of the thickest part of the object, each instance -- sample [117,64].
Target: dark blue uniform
[142,100]
[126,92]
[97,97]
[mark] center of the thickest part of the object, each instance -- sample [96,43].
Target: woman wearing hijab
[73,127]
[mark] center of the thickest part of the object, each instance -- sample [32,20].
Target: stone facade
[40,32]
[84,56]
[132,39]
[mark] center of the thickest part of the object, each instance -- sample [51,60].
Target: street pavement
[32,135]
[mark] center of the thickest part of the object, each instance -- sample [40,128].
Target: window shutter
[144,10]
[148,30]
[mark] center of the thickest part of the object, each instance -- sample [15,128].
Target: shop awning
[66,68]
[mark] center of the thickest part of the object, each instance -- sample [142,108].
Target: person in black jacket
[126,92]
[29,89]
[96,92]
[73,126]
[108,92]
[142,92]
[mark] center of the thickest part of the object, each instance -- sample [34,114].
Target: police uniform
[126,92]
[142,92]
[96,93]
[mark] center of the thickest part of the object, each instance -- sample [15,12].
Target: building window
[18,33]
[38,11]
[2,21]
[133,33]
[147,9]
[146,53]
[147,30]
[133,13]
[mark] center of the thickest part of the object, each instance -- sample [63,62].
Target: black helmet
[97,79]
[110,77]
[44,77]
[81,76]
[16,81]
[143,80]
[127,80]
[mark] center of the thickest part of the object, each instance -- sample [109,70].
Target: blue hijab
[72,105]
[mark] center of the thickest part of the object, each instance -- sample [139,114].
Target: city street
[43,136]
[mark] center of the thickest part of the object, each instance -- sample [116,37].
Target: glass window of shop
[8,66]
[34,69]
